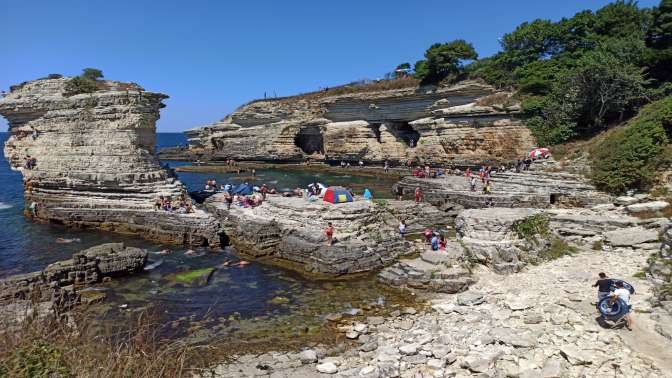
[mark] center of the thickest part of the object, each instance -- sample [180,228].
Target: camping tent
[244,189]
[337,194]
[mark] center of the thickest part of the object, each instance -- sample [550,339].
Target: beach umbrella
[539,152]
[337,194]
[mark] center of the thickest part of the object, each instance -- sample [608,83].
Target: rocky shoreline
[537,323]
[54,290]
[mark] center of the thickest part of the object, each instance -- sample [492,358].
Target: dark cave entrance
[375,127]
[310,140]
[404,132]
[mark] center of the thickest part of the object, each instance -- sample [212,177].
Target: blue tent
[336,194]
[244,189]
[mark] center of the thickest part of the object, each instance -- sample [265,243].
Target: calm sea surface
[242,295]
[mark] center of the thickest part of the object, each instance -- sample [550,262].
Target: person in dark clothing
[603,285]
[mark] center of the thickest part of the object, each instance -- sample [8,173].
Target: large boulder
[291,231]
[489,237]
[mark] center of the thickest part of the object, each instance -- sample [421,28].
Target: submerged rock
[94,161]
[192,278]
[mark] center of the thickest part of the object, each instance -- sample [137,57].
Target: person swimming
[67,241]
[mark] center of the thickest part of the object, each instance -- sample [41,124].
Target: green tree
[92,73]
[445,60]
[601,89]
[659,42]
[531,42]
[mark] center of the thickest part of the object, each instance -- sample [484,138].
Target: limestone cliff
[94,162]
[464,124]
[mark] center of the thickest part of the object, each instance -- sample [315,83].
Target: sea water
[257,299]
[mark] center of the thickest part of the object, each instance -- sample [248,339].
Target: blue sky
[212,56]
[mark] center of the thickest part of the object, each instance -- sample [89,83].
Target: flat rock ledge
[95,164]
[536,189]
[292,230]
[54,288]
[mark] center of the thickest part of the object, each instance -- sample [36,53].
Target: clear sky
[212,56]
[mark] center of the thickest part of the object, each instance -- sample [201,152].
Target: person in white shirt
[623,294]
[402,228]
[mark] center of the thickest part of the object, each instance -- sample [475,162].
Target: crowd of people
[182,205]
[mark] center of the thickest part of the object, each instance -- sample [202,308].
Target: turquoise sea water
[244,293]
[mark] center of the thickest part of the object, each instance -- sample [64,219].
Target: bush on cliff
[630,157]
[84,83]
[92,73]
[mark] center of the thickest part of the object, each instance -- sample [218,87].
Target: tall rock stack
[93,160]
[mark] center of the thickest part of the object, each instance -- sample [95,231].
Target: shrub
[54,76]
[529,227]
[92,73]
[557,249]
[597,245]
[629,158]
[78,85]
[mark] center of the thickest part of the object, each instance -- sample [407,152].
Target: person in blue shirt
[367,194]
[435,242]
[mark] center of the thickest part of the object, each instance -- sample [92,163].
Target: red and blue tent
[337,194]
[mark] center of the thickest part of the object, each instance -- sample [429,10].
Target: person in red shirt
[330,233]
[418,194]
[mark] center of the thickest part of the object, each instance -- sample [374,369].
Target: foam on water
[4,206]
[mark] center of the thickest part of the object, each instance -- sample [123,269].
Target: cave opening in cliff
[375,127]
[404,132]
[309,139]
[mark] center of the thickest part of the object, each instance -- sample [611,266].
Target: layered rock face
[463,124]
[95,164]
[292,230]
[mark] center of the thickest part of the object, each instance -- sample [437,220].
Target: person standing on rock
[402,228]
[472,183]
[603,285]
[330,234]
[623,294]
[387,166]
[418,194]
[400,193]
[264,191]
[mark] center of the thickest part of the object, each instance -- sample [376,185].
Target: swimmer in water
[163,252]
[190,252]
[241,263]
[66,241]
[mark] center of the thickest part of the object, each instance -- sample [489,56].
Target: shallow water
[255,300]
